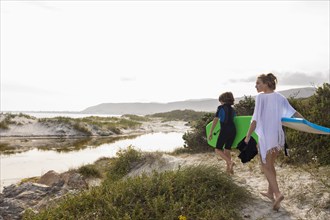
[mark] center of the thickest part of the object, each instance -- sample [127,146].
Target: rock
[49,178]
[15,199]
[74,180]
[10,209]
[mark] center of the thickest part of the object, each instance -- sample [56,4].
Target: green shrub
[89,171]
[125,161]
[82,128]
[26,116]
[135,117]
[4,147]
[195,140]
[181,115]
[306,147]
[245,106]
[195,193]
[113,124]
[4,123]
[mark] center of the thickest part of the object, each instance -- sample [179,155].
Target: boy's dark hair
[227,98]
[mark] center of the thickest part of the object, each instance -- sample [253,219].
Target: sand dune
[306,189]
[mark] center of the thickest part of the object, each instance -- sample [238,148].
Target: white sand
[24,127]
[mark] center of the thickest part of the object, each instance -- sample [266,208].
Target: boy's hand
[210,137]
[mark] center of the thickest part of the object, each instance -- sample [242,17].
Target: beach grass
[84,125]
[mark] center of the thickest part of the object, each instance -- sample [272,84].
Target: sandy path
[306,197]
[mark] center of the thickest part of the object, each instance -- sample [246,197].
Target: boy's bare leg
[223,155]
[231,164]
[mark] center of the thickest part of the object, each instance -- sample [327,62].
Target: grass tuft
[89,171]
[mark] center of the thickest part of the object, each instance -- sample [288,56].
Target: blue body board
[301,124]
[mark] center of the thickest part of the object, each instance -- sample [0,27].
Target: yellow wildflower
[182,217]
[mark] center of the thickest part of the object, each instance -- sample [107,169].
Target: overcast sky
[58,55]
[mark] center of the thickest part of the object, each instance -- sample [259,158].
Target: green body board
[242,124]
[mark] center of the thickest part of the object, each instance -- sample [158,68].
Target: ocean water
[61,114]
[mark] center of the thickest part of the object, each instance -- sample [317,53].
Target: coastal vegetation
[113,124]
[90,170]
[306,147]
[7,119]
[179,115]
[199,192]
[135,117]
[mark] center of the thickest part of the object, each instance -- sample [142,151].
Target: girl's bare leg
[270,173]
[269,194]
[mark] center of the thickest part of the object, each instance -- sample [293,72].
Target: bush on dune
[198,192]
[183,115]
[306,147]
[245,106]
[195,140]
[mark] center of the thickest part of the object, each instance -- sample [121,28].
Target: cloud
[303,79]
[293,78]
[42,5]
[127,79]
[24,89]
[247,80]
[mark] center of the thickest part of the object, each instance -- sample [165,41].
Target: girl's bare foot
[231,167]
[277,203]
[268,195]
[228,169]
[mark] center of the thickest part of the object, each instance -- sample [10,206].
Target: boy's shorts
[227,139]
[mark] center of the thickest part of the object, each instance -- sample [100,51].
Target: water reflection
[36,162]
[83,143]
[19,145]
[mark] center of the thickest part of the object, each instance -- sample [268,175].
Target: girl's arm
[297,115]
[250,131]
[214,123]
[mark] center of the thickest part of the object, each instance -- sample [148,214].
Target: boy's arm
[214,123]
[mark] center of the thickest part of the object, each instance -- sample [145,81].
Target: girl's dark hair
[227,98]
[269,79]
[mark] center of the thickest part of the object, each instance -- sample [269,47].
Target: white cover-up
[268,111]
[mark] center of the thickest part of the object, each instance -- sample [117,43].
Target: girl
[270,107]
[225,113]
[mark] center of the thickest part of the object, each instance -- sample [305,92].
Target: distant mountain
[207,105]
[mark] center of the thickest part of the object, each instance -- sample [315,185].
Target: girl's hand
[247,139]
[210,137]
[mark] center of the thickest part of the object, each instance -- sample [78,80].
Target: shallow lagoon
[37,162]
